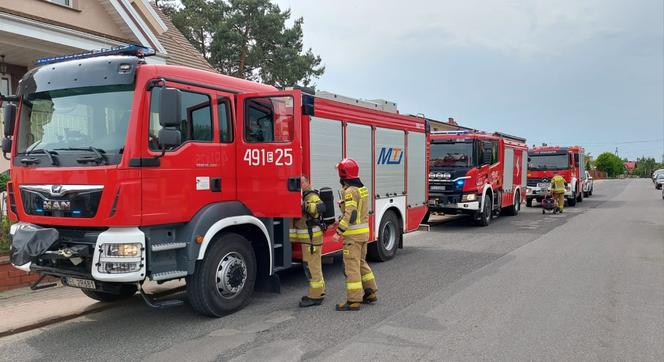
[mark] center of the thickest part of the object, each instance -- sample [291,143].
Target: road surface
[584,285]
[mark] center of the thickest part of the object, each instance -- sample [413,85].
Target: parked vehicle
[659,181]
[123,171]
[476,173]
[656,173]
[588,185]
[545,162]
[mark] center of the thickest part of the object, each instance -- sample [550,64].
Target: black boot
[310,302]
[348,306]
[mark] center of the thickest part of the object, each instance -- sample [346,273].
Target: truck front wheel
[224,280]
[571,201]
[124,292]
[484,217]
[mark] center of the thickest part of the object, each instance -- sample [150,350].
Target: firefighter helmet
[348,169]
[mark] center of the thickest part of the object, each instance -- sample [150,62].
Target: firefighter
[558,191]
[353,228]
[307,232]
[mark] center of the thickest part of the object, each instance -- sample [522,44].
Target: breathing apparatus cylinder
[327,196]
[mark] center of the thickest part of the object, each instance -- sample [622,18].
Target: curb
[95,308]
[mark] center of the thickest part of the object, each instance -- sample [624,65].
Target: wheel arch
[487,191]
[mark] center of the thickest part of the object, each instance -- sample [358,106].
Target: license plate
[544,185]
[80,283]
[438,188]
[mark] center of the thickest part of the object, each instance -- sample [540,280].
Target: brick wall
[11,277]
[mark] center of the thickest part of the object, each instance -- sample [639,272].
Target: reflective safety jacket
[558,184]
[354,224]
[299,231]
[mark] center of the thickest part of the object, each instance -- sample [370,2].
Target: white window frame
[9,83]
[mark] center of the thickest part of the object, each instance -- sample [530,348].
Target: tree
[610,163]
[248,39]
[645,166]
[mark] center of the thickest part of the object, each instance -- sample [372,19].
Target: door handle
[215,184]
[294,184]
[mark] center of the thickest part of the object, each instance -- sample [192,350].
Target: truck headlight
[468,197]
[119,267]
[122,250]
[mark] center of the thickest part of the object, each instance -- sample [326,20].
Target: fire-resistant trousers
[313,269]
[560,199]
[358,273]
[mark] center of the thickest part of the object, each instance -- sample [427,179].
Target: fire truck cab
[547,161]
[476,173]
[123,171]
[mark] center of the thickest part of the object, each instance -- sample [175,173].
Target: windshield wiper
[99,154]
[30,160]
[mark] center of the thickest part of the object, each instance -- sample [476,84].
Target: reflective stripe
[351,204]
[317,285]
[343,224]
[305,236]
[367,277]
[353,285]
[358,226]
[305,231]
[357,231]
[364,192]
[346,252]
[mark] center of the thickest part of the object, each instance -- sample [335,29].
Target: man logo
[390,156]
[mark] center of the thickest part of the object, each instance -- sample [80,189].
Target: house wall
[89,14]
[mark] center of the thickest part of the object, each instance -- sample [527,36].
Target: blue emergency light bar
[130,50]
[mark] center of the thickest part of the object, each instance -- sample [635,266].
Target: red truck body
[548,161]
[476,173]
[87,162]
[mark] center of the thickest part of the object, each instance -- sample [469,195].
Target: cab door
[269,153]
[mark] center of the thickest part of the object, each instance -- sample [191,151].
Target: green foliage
[646,165]
[248,39]
[4,235]
[4,178]
[610,163]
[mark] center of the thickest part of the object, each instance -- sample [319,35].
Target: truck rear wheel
[390,234]
[516,206]
[124,292]
[224,280]
[484,217]
[572,201]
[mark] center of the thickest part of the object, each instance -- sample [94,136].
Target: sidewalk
[24,309]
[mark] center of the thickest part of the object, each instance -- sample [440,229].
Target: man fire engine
[123,171]
[476,173]
[546,161]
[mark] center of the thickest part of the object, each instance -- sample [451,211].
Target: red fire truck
[123,171]
[476,173]
[547,161]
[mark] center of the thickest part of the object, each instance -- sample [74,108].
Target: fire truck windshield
[454,154]
[548,162]
[78,119]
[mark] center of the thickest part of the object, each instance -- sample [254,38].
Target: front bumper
[79,254]
[437,204]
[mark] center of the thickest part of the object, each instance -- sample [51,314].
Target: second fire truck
[547,161]
[476,173]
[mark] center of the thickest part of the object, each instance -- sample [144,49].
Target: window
[196,124]
[488,153]
[269,120]
[67,3]
[225,124]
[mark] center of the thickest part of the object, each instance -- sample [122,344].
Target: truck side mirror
[6,147]
[169,107]
[9,118]
[169,137]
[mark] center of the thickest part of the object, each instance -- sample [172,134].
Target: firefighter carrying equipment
[354,226]
[558,184]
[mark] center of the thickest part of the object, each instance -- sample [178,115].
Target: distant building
[33,29]
[450,125]
[630,166]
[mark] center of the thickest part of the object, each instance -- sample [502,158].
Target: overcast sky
[587,72]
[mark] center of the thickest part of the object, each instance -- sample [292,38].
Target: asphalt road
[584,285]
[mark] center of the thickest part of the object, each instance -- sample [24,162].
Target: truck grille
[61,200]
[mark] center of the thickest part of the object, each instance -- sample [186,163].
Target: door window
[269,120]
[225,124]
[196,123]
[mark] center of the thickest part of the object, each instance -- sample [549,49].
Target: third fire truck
[547,161]
[476,173]
[124,171]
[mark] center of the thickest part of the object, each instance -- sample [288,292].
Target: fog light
[122,250]
[468,197]
[119,267]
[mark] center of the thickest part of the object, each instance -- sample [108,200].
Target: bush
[5,223]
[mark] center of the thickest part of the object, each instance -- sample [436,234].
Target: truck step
[167,246]
[173,274]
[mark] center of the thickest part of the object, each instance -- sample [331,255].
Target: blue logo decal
[390,156]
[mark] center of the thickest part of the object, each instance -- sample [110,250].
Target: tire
[586,194]
[516,207]
[126,291]
[529,202]
[390,234]
[224,280]
[484,218]
[590,193]
[572,201]
[579,197]
[426,217]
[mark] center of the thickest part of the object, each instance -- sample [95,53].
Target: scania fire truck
[547,161]
[476,173]
[123,171]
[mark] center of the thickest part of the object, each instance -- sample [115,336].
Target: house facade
[33,29]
